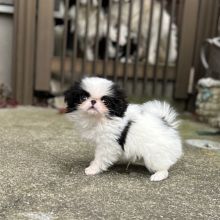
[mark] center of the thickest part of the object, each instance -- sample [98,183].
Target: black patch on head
[75,96]
[122,138]
[116,103]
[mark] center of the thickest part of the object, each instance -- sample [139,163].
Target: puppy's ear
[72,97]
[120,104]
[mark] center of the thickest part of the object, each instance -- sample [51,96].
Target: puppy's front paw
[152,59]
[92,170]
[159,175]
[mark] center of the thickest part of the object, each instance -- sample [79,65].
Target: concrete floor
[42,176]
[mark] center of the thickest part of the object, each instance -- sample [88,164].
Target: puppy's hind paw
[92,170]
[159,175]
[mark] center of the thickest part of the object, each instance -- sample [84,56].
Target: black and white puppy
[123,131]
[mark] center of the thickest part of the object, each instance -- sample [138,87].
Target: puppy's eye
[83,98]
[105,99]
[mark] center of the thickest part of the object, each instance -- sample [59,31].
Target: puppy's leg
[95,2]
[111,50]
[173,45]
[112,33]
[152,52]
[94,167]
[153,48]
[158,166]
[159,175]
[89,49]
[89,54]
[103,160]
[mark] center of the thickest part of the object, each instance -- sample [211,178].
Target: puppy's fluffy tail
[164,111]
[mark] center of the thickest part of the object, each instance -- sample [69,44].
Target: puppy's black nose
[93,102]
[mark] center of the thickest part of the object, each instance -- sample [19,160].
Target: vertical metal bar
[202,18]
[15,50]
[44,44]
[86,37]
[97,36]
[218,21]
[128,46]
[197,34]
[196,50]
[148,46]
[63,51]
[158,47]
[164,85]
[215,15]
[21,8]
[179,21]
[24,54]
[115,63]
[107,38]
[75,44]
[135,74]
[202,32]
[186,43]
[30,50]
[179,12]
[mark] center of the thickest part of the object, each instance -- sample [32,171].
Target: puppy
[135,17]
[81,27]
[92,28]
[123,131]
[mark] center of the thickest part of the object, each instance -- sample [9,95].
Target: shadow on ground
[42,176]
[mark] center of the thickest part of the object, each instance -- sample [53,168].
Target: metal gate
[83,24]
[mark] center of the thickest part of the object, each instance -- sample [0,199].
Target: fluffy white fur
[94,2]
[81,27]
[113,31]
[152,136]
[145,27]
[92,29]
